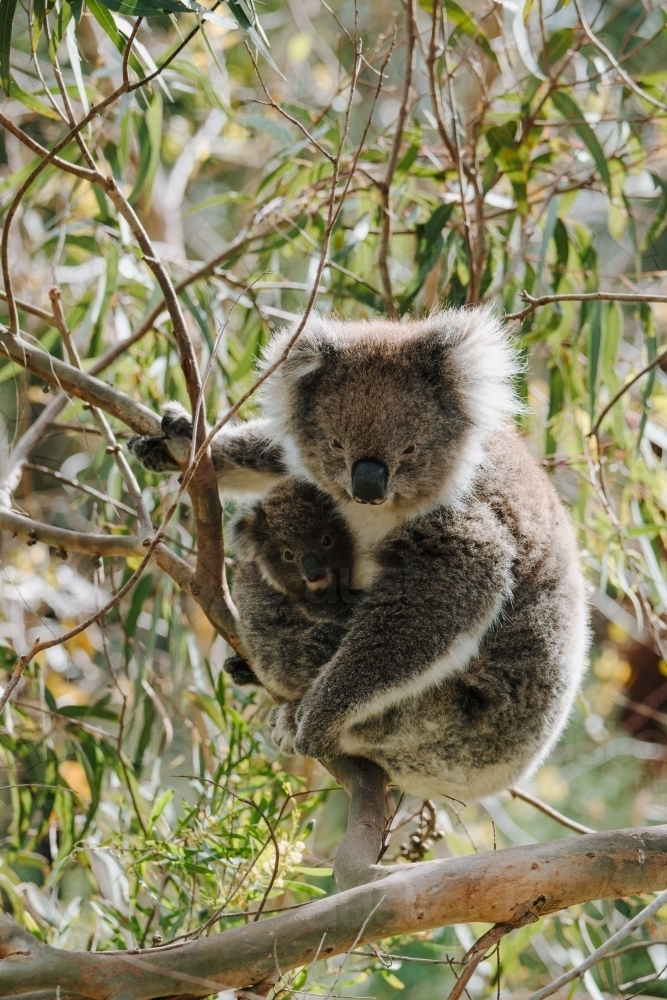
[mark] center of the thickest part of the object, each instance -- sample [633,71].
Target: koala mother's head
[389,413]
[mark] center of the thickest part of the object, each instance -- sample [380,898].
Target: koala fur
[463,657]
[290,586]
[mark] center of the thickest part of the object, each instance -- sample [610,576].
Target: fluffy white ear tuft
[305,356]
[242,537]
[485,364]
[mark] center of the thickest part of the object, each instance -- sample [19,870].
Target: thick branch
[498,887]
[77,383]
[70,541]
[366,784]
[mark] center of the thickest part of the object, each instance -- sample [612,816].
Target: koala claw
[152,453]
[283,727]
[155,453]
[176,422]
[239,671]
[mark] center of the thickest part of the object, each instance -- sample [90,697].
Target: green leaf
[77,9]
[507,155]
[160,806]
[556,400]
[30,101]
[150,141]
[595,341]
[430,244]
[158,8]
[464,23]
[568,108]
[562,242]
[646,320]
[558,45]
[108,25]
[141,593]
[273,129]
[7,11]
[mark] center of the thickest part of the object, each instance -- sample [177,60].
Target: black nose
[313,568]
[369,481]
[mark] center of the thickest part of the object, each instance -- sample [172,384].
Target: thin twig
[128,51]
[629,82]
[385,186]
[571,824]
[476,955]
[543,300]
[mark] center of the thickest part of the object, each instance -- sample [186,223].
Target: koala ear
[312,346]
[242,536]
[482,361]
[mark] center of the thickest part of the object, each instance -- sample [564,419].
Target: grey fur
[290,627]
[464,656]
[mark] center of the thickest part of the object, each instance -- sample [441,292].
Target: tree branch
[92,390]
[385,185]
[543,300]
[497,887]
[603,950]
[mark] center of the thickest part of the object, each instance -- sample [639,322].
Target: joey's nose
[313,569]
[369,481]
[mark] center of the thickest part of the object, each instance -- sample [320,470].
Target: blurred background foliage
[141,799]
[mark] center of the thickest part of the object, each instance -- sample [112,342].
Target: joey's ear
[243,538]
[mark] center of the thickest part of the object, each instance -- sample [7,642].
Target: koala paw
[159,453]
[152,453]
[239,671]
[176,422]
[317,734]
[283,727]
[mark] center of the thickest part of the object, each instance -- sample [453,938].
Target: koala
[461,662]
[290,587]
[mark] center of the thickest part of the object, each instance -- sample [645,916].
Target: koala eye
[327,542]
[409,451]
[288,556]
[336,445]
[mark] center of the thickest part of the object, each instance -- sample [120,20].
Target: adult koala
[464,656]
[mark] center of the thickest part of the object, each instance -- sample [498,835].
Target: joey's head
[297,536]
[392,414]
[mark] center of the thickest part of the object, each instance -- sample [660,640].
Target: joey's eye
[327,542]
[288,556]
[335,445]
[410,450]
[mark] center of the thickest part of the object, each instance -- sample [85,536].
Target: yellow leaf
[73,773]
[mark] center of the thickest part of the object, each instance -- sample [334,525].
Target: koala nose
[313,568]
[369,481]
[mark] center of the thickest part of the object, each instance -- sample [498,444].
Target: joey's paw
[152,453]
[239,671]
[283,727]
[176,422]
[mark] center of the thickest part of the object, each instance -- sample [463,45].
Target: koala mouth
[323,583]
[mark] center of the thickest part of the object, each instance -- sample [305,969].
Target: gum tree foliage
[372,160]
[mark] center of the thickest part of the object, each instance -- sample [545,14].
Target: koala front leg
[245,456]
[443,588]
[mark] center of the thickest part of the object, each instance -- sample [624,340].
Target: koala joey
[291,587]
[461,662]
